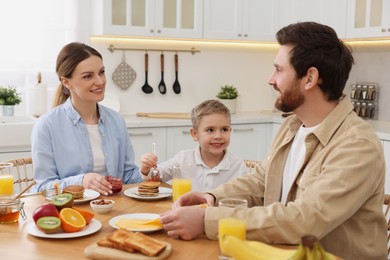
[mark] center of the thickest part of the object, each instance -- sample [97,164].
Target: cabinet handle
[383,30]
[245,35]
[141,134]
[239,35]
[185,132]
[243,130]
[151,30]
[158,31]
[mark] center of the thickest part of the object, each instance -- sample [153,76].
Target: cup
[6,179]
[232,221]
[181,181]
[115,182]
[10,209]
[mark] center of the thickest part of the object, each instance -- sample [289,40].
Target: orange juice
[231,226]
[180,187]
[6,184]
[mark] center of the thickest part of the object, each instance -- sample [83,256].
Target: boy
[211,163]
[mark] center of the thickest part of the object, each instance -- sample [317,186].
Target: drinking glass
[181,181]
[6,179]
[232,221]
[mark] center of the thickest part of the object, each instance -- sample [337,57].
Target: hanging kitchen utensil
[124,75]
[161,87]
[176,85]
[146,88]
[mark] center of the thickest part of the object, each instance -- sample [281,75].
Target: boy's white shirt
[203,177]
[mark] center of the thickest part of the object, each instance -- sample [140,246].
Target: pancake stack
[149,188]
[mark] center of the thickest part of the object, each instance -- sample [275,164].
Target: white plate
[91,228]
[88,196]
[164,193]
[145,216]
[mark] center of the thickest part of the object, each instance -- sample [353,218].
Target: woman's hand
[97,182]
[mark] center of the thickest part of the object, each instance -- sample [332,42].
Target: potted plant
[9,97]
[228,96]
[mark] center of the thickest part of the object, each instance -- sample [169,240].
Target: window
[32,34]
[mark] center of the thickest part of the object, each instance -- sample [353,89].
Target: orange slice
[71,220]
[88,215]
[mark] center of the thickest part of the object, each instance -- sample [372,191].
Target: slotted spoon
[161,87]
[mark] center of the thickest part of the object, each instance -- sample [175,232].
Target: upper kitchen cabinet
[368,18]
[150,18]
[250,20]
[329,12]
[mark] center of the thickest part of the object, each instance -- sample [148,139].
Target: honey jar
[11,209]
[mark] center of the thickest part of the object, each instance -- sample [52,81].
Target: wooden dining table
[17,243]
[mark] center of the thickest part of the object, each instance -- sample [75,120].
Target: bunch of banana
[254,250]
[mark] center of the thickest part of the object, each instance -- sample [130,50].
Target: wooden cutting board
[165,115]
[96,252]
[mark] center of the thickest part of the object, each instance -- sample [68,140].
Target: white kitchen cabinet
[151,18]
[142,139]
[386,148]
[251,141]
[178,139]
[368,18]
[252,20]
[329,12]
[14,154]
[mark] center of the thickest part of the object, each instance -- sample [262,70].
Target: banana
[309,249]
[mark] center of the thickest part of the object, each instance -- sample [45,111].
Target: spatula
[146,88]
[161,87]
[176,84]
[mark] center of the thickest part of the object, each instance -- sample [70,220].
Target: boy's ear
[194,134]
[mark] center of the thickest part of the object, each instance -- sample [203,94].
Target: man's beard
[290,100]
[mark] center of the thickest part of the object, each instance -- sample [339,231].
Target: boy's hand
[148,161]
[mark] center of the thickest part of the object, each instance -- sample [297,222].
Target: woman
[79,142]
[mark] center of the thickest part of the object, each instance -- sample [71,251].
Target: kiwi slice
[49,225]
[64,200]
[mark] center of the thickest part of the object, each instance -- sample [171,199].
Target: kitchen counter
[382,128]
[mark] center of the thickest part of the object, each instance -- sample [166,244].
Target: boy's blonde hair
[208,107]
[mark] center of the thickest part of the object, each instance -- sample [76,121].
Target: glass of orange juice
[232,221]
[6,180]
[181,181]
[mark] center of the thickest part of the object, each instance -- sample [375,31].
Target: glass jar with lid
[11,209]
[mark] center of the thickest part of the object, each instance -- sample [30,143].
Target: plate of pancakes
[148,190]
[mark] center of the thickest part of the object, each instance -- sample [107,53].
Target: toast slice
[118,239]
[145,244]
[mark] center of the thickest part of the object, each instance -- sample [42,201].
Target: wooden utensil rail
[111,48]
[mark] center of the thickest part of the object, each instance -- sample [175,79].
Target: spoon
[154,172]
[176,85]
[161,87]
[146,88]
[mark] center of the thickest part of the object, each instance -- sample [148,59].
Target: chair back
[22,171]
[387,209]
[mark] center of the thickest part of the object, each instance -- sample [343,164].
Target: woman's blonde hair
[208,107]
[67,60]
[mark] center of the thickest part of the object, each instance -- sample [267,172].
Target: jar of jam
[116,183]
[11,209]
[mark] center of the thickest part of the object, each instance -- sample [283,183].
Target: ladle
[161,87]
[146,88]
[176,84]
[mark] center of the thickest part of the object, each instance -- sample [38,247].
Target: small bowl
[102,205]
[49,193]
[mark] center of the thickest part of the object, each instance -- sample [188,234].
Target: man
[324,174]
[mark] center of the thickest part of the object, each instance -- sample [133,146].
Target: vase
[229,103]
[8,110]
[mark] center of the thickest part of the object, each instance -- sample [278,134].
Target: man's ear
[312,78]
[194,134]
